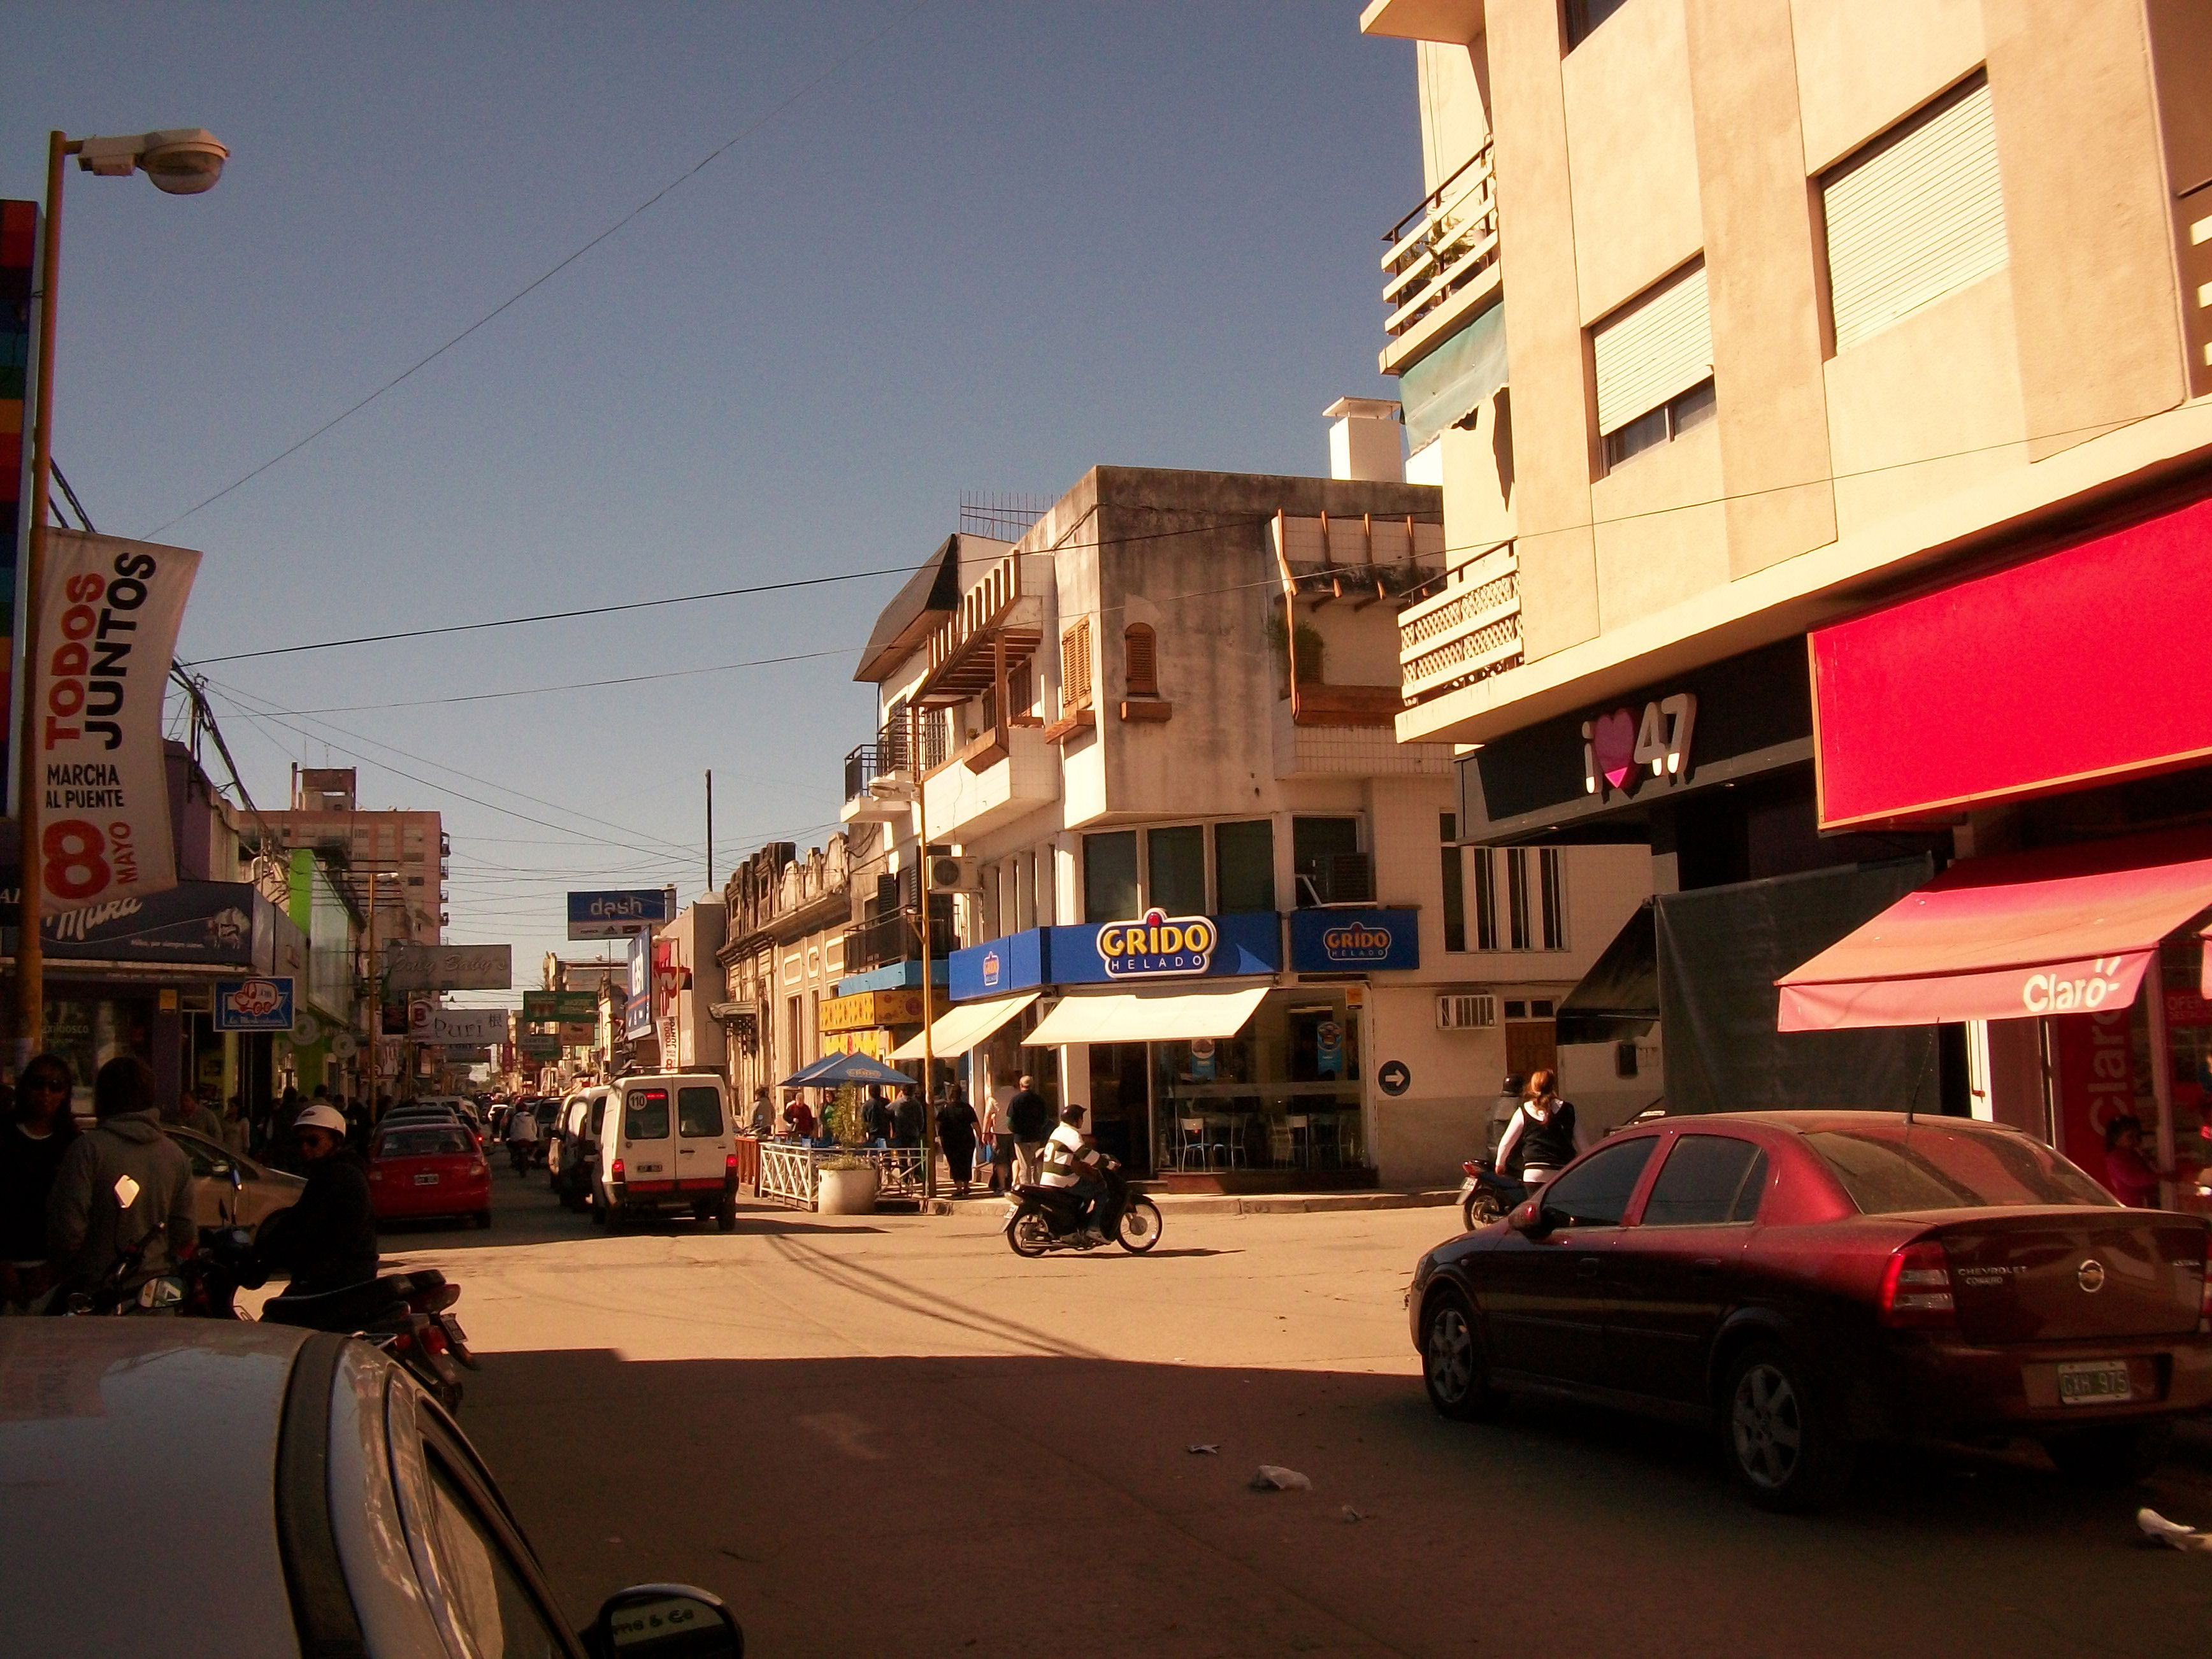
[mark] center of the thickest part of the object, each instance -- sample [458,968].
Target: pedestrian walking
[94,1217]
[906,1118]
[189,1112]
[33,1142]
[1001,1138]
[1030,1119]
[764,1118]
[237,1127]
[876,1119]
[955,1133]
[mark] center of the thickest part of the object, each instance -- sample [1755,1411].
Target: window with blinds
[1653,349]
[1140,671]
[1075,667]
[1914,215]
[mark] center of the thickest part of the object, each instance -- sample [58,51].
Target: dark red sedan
[1806,1281]
[420,1169]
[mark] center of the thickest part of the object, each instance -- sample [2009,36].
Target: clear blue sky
[1001,244]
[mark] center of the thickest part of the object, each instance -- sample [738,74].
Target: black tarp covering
[1618,1000]
[1721,949]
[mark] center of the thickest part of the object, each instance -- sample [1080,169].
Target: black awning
[1618,1000]
[931,594]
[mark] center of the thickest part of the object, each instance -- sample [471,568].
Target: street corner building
[1829,489]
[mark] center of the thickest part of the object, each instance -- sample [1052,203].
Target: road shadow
[889,1504]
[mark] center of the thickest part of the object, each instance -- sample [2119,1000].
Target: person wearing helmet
[327,1240]
[1073,1159]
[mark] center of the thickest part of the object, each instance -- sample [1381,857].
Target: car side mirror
[1532,1219]
[665,1621]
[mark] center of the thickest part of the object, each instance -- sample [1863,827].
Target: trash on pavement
[1274,1477]
[2155,1525]
[1209,1451]
[1348,1513]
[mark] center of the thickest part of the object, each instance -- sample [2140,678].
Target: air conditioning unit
[1459,1010]
[951,875]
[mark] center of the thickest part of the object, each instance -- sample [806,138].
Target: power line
[711,157]
[574,686]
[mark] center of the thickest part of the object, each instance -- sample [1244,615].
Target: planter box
[846,1192]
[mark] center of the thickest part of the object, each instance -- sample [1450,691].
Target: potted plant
[846,1185]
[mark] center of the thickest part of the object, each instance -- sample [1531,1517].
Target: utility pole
[710,829]
[928,996]
[375,1001]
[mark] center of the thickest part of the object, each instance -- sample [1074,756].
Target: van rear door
[703,1135]
[648,1140]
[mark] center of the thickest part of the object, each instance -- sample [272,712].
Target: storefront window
[1176,879]
[89,1032]
[1282,1095]
[1109,877]
[1244,867]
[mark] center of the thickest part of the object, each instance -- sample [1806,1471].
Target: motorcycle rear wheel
[1480,1210]
[1028,1232]
[1140,1226]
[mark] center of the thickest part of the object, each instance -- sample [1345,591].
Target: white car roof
[142,1502]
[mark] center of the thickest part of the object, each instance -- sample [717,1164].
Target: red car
[428,1169]
[1807,1281]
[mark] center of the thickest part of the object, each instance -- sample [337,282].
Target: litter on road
[1274,1477]
[2156,1526]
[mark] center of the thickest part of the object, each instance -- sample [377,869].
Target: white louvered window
[1654,348]
[1916,215]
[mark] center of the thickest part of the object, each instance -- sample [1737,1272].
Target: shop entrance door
[1120,1104]
[1531,1045]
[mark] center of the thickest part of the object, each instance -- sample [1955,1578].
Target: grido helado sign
[107,630]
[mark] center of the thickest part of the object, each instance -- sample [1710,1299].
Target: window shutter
[1075,667]
[1656,346]
[1916,215]
[1139,661]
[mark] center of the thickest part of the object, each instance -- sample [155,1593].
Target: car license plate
[454,1329]
[426,1181]
[2094,1382]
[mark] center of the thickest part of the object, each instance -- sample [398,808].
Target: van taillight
[730,1164]
[616,1173]
[1916,1288]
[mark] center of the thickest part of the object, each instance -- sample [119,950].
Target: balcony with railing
[1467,629]
[1442,263]
[895,938]
[996,630]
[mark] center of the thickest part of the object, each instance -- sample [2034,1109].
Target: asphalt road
[890,1436]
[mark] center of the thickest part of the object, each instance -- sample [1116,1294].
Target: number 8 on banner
[76,861]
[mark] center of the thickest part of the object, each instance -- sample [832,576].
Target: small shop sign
[866,1009]
[1355,941]
[1157,947]
[254,1005]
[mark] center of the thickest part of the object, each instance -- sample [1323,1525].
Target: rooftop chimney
[1366,443]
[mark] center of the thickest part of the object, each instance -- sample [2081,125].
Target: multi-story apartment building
[1194,881]
[1818,390]
[782,956]
[405,851]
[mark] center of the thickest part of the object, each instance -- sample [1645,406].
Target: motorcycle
[521,1154]
[1486,1195]
[404,1314]
[1043,1218]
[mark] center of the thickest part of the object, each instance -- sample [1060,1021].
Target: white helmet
[321,1117]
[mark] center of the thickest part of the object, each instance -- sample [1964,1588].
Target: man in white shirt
[1073,1159]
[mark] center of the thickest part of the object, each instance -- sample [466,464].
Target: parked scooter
[1486,1195]
[1042,1219]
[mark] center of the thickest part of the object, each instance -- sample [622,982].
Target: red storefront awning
[2068,930]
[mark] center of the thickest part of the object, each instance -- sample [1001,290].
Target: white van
[666,1143]
[572,1151]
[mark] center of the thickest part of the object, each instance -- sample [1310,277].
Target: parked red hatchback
[1808,1281]
[416,1170]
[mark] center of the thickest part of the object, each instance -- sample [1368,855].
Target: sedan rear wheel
[1785,1451]
[1451,1362]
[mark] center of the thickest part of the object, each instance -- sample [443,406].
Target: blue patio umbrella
[832,1071]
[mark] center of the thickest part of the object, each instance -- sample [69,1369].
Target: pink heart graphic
[1612,740]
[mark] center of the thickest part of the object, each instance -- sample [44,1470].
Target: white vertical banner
[107,630]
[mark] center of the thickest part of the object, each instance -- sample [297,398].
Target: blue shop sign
[1354,941]
[1146,950]
[1015,962]
[254,1004]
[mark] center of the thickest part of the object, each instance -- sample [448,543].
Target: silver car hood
[138,1461]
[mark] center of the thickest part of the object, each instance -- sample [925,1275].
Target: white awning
[1147,1016]
[961,1028]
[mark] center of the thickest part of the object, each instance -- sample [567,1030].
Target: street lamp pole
[30,947]
[180,161]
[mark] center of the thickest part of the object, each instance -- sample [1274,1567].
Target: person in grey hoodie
[120,1180]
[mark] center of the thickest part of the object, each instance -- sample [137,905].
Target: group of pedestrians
[1007,1137]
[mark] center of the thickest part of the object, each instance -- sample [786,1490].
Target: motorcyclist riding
[1073,1159]
[328,1238]
[522,1137]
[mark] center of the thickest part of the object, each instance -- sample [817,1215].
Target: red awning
[2067,930]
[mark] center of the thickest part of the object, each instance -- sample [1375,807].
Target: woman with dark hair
[36,1134]
[1540,1141]
[955,1133]
[2132,1177]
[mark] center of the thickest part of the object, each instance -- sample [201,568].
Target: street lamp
[180,161]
